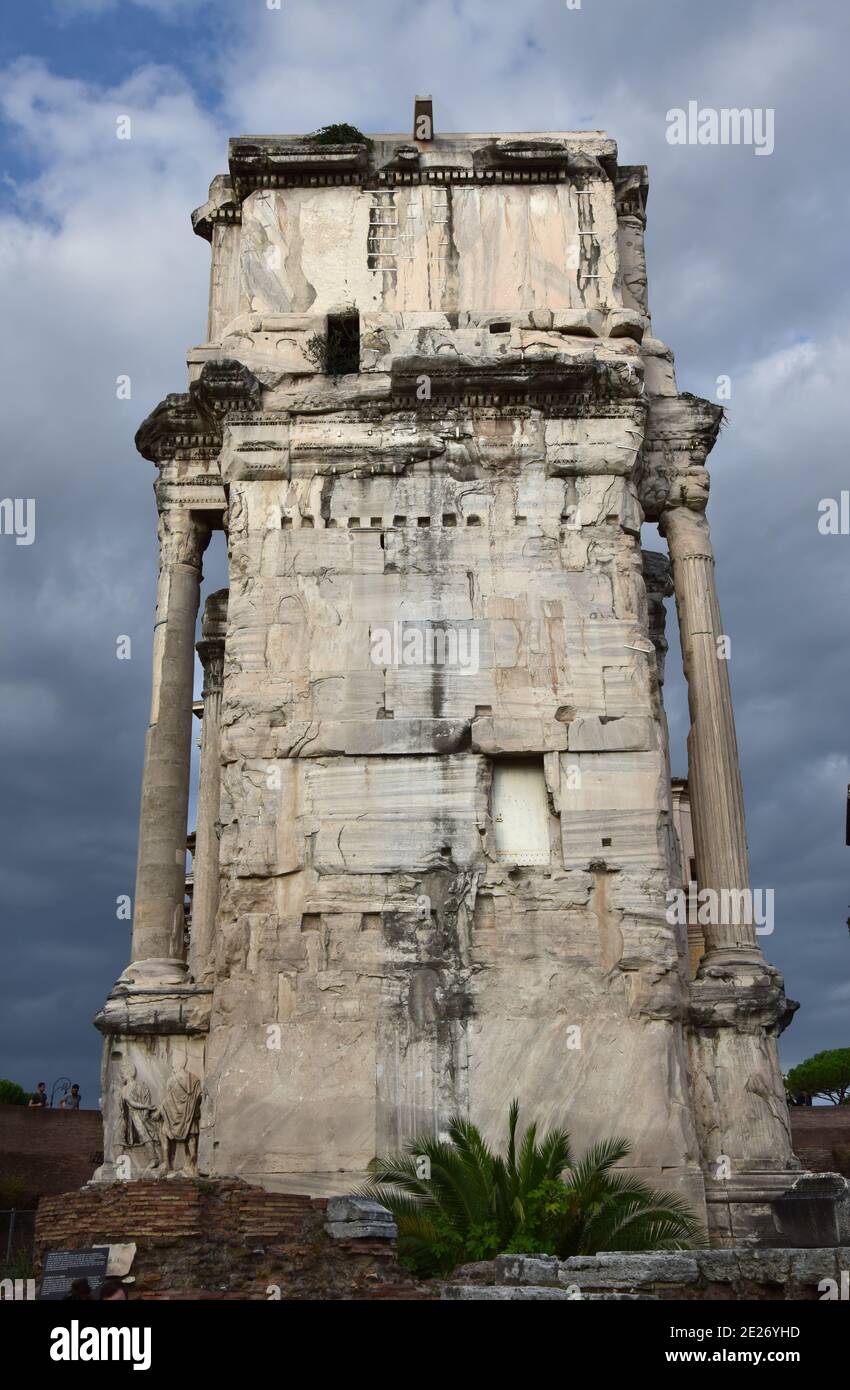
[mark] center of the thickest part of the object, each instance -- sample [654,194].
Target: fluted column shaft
[206,856]
[158,919]
[716,793]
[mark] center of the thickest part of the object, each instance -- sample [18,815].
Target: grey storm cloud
[102,277]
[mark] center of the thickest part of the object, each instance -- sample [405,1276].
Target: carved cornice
[176,425]
[221,206]
[287,162]
[190,423]
[207,498]
[462,175]
[585,387]
[224,386]
[266,162]
[631,186]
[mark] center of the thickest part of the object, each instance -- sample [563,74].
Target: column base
[740,1208]
[724,957]
[153,1004]
[156,971]
[736,987]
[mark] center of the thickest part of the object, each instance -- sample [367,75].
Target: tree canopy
[825,1074]
[12,1094]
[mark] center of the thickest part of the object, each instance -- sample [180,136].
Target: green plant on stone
[316,351]
[595,1206]
[474,1204]
[338,353]
[340,134]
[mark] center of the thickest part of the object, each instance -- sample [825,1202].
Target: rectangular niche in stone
[520,811]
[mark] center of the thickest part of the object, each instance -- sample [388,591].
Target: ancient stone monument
[435,841]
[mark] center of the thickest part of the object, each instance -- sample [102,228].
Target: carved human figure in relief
[179,1118]
[138,1120]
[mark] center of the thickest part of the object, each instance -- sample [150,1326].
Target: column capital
[680,433]
[210,649]
[183,538]
[211,654]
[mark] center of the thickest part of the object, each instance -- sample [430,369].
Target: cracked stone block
[500,1293]
[815,1211]
[628,1271]
[527,1269]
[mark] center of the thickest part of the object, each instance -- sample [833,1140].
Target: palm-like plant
[458,1200]
[594,1206]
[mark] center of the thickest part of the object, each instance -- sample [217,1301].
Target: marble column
[737,1000]
[206,858]
[714,777]
[158,953]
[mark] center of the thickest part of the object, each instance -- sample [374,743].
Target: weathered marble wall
[366,912]
[425,248]
[445,829]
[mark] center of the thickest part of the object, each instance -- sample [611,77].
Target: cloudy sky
[101,276]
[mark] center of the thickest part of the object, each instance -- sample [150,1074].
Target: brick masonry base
[228,1240]
[821,1135]
[44,1151]
[223,1239]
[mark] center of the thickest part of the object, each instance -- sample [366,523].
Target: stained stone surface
[702,1275]
[444,832]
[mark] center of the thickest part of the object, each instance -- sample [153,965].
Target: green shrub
[13,1094]
[458,1201]
[340,134]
